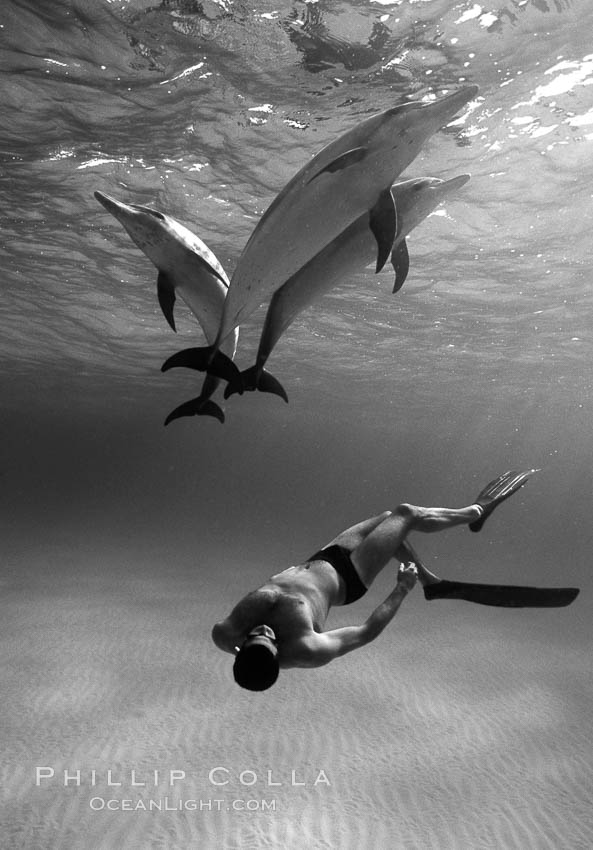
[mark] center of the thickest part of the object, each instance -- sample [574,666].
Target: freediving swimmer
[188,267]
[349,177]
[280,625]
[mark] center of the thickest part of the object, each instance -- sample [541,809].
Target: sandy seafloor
[462,727]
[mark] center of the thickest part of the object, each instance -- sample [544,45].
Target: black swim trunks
[340,560]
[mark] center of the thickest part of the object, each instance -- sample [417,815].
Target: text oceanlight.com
[165,804]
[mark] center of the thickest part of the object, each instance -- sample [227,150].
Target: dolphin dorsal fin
[383,223]
[400,260]
[166,295]
[345,160]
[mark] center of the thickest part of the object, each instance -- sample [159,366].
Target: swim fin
[497,491]
[199,406]
[257,378]
[206,359]
[502,595]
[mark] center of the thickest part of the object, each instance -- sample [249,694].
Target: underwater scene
[398,199]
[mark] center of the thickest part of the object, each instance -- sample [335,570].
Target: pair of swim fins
[501,595]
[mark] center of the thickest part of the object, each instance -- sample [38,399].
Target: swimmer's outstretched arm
[337,642]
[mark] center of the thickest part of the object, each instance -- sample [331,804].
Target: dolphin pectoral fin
[206,359]
[166,295]
[383,224]
[400,260]
[341,162]
[199,406]
[257,378]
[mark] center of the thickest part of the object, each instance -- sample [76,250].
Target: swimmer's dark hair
[255,668]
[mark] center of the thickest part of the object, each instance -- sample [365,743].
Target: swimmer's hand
[407,577]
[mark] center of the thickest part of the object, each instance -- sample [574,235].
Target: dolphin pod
[348,253]
[188,267]
[349,177]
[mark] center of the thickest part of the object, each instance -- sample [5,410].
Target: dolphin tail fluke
[247,381]
[207,359]
[257,378]
[383,223]
[199,406]
[400,260]
[267,383]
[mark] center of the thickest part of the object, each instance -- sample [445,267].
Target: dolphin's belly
[204,294]
[346,254]
[300,230]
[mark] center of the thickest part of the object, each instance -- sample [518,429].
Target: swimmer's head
[256,664]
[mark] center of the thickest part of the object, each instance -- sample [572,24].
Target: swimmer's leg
[374,542]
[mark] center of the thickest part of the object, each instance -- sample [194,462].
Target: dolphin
[348,253]
[188,267]
[349,177]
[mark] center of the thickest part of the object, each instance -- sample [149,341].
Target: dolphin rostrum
[186,267]
[348,253]
[351,176]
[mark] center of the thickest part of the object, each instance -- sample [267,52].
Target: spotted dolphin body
[348,254]
[186,267]
[348,178]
